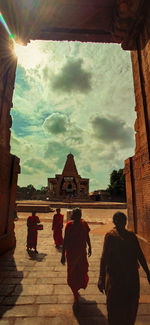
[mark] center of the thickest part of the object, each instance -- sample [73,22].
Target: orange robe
[32,222]
[119,270]
[75,246]
[57,229]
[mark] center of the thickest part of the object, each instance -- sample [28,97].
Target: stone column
[9,164]
[138,177]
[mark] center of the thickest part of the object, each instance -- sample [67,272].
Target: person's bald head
[120,220]
[76,214]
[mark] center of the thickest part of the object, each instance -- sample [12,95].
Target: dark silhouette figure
[32,225]
[119,275]
[75,241]
[57,226]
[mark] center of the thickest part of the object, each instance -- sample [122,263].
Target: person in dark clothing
[32,232]
[119,272]
[57,227]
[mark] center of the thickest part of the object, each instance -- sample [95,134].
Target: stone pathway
[33,290]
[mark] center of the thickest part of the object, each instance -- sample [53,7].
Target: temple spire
[70,167]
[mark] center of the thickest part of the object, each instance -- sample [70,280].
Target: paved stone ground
[33,290]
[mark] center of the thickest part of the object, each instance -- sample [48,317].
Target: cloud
[21,82]
[65,104]
[57,149]
[21,124]
[72,78]
[57,152]
[56,123]
[111,129]
[75,135]
[34,165]
[60,124]
[27,170]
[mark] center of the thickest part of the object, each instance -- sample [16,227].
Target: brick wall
[137,168]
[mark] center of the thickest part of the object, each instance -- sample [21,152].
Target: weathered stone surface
[145,298]
[137,168]
[93,21]
[48,300]
[144,309]
[143,320]
[59,320]
[18,300]
[17,311]
[5,322]
[9,164]
[90,320]
[33,289]
[62,288]
[52,280]
[54,310]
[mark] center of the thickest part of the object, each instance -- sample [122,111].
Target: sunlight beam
[2,20]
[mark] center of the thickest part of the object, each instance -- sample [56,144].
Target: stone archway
[119,21]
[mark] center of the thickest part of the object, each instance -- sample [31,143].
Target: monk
[119,275]
[32,223]
[57,226]
[75,241]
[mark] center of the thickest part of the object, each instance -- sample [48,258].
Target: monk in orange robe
[32,232]
[75,241]
[119,275]
[57,226]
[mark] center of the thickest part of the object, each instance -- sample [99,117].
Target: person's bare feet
[76,297]
[76,306]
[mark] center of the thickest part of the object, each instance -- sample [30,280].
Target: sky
[72,97]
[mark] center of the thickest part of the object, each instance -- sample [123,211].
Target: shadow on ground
[87,313]
[10,282]
[38,257]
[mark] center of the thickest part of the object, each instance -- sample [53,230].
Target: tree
[44,189]
[25,192]
[30,191]
[116,187]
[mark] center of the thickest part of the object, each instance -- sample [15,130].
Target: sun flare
[28,56]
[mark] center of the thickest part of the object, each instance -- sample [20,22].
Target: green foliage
[116,187]
[44,189]
[29,192]
[30,188]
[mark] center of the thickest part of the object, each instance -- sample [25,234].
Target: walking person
[57,226]
[32,233]
[75,241]
[119,275]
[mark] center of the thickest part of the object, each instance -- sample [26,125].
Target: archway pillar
[137,168]
[9,164]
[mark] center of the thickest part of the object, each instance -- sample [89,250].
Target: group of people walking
[119,263]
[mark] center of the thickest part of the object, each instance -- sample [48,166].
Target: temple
[69,184]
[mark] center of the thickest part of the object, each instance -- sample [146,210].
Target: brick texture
[137,168]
